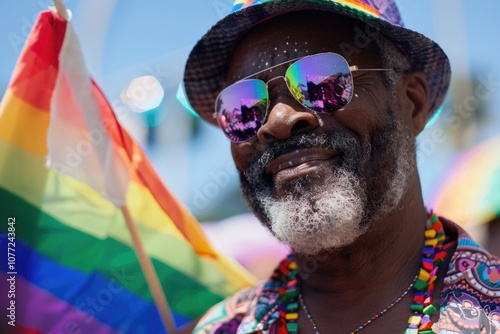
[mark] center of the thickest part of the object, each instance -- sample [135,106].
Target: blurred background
[136,51]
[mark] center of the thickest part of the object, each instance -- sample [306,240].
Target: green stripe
[86,253]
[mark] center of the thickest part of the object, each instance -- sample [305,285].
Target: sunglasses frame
[351,68]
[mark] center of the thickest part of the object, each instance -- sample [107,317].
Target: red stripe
[145,174]
[39,61]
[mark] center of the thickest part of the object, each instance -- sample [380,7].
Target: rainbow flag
[67,256]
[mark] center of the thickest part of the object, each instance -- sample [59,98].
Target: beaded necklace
[421,308]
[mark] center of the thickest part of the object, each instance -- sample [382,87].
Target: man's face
[318,181]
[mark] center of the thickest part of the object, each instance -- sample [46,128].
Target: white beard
[331,215]
[318,220]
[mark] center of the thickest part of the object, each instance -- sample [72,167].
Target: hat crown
[381,9]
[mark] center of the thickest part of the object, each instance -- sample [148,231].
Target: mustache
[347,145]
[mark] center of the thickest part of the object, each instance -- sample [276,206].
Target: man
[336,179]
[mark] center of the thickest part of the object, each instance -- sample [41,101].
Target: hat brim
[206,68]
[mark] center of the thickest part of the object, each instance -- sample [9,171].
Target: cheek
[367,113]
[242,154]
[360,121]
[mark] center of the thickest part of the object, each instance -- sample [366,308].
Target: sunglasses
[321,82]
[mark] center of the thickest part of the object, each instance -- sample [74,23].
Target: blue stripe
[236,7]
[97,295]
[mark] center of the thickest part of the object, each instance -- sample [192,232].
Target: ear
[417,100]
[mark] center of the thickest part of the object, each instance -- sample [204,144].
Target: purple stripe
[40,310]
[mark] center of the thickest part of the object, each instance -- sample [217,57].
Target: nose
[285,119]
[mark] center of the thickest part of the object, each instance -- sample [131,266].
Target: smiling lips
[299,162]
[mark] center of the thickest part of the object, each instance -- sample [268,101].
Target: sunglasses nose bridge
[275,78]
[279,92]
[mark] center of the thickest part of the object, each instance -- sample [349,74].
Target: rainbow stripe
[356,5]
[359,6]
[75,264]
[239,4]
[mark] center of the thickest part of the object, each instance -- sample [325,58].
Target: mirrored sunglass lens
[241,109]
[322,82]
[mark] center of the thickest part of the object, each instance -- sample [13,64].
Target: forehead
[298,34]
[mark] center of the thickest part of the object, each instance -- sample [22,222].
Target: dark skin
[352,284]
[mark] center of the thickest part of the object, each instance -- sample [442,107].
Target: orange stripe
[38,64]
[147,176]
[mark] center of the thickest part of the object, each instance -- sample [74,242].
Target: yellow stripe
[24,175]
[23,125]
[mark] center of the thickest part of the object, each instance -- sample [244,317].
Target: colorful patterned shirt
[470,298]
